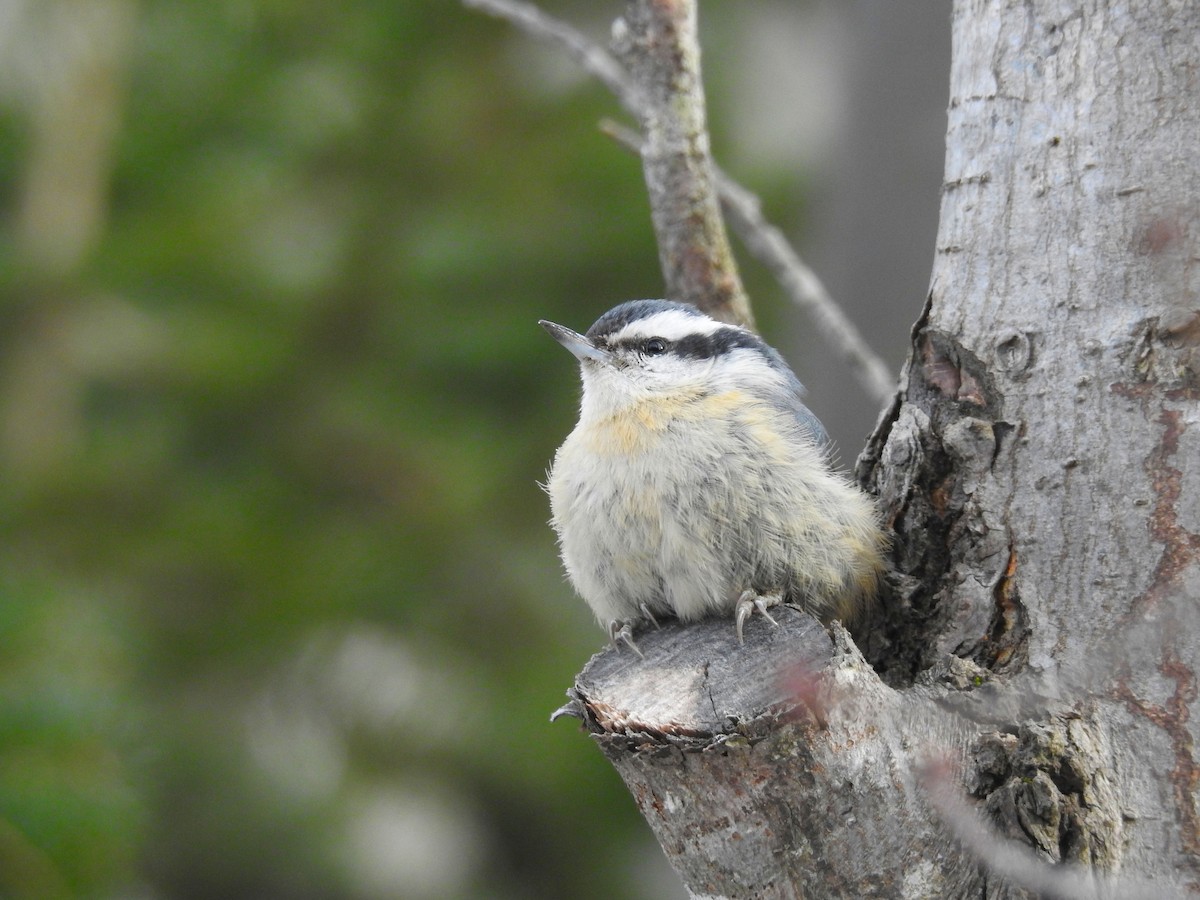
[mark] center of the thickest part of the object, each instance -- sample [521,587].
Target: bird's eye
[655,347]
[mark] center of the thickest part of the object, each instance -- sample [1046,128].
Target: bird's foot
[621,632]
[751,601]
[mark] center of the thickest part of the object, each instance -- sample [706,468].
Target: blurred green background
[280,615]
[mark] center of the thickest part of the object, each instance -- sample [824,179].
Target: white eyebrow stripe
[669,324]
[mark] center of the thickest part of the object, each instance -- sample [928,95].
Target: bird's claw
[751,601]
[620,632]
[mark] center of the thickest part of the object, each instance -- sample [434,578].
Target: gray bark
[1036,654]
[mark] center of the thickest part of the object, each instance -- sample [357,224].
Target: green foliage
[72,814]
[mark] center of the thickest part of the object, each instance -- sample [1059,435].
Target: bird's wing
[812,425]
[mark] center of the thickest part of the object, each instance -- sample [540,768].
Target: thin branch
[592,58]
[768,245]
[763,240]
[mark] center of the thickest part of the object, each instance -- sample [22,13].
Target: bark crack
[712,700]
[1009,629]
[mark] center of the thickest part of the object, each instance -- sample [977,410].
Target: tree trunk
[1041,470]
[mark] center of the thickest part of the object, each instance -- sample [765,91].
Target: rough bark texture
[1041,470]
[1063,291]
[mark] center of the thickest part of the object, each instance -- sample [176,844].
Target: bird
[696,483]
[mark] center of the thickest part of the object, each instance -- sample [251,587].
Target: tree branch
[592,58]
[658,43]
[735,755]
[767,244]
[762,239]
[658,80]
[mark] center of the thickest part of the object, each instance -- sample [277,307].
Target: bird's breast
[645,426]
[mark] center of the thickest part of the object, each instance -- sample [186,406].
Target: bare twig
[592,58]
[768,245]
[763,240]
[771,248]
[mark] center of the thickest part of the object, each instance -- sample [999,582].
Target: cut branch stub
[656,41]
[696,685]
[780,768]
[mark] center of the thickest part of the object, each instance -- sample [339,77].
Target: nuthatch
[697,482]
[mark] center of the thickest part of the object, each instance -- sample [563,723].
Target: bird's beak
[579,345]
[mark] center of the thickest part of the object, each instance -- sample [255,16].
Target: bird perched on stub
[697,483]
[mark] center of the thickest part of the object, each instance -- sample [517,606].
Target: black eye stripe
[702,346]
[699,346]
[719,342]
